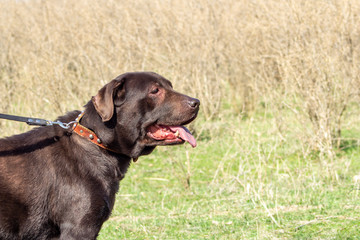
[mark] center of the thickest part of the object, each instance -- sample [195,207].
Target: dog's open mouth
[171,134]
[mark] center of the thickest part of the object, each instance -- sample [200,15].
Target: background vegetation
[278,132]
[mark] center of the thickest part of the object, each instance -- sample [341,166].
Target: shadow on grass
[349,145]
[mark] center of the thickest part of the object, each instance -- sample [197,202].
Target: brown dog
[61,184]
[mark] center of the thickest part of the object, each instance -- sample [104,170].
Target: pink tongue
[184,134]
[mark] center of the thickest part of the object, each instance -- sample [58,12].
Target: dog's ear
[111,95]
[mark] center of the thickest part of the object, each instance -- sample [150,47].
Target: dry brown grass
[297,55]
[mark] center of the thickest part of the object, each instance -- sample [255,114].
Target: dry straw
[236,56]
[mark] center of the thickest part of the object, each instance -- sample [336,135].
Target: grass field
[244,184]
[278,134]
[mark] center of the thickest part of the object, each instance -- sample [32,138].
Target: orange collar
[88,134]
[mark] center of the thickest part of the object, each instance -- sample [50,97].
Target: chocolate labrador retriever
[60,183]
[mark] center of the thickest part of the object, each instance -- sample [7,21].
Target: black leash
[35,121]
[30,121]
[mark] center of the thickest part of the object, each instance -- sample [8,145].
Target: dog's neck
[112,133]
[89,135]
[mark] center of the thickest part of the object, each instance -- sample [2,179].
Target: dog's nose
[194,103]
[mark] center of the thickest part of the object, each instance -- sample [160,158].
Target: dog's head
[141,110]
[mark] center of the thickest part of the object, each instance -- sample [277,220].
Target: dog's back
[25,184]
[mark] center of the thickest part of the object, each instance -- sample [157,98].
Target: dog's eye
[154,91]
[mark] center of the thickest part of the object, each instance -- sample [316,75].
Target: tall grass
[238,57]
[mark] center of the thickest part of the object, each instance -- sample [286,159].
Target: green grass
[243,184]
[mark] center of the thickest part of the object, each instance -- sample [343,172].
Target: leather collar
[88,134]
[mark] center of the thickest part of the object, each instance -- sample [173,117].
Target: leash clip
[67,125]
[61,124]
